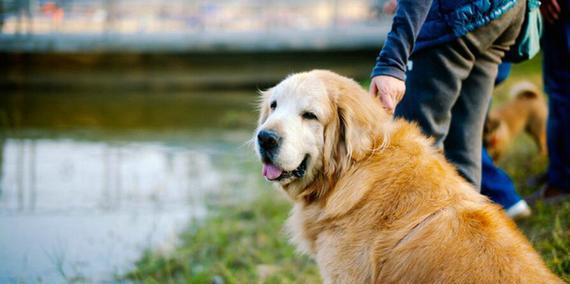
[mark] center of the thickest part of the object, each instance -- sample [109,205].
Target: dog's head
[495,134]
[314,124]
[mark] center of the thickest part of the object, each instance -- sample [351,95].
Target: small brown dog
[525,111]
[374,201]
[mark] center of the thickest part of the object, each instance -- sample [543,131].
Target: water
[91,180]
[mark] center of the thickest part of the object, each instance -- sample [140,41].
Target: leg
[556,54]
[537,130]
[435,82]
[497,185]
[557,187]
[429,98]
[464,141]
[559,144]
[556,75]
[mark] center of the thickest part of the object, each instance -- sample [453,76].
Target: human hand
[389,89]
[550,10]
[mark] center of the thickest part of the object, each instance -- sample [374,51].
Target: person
[495,182]
[556,76]
[444,55]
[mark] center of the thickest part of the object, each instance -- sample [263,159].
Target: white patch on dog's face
[296,112]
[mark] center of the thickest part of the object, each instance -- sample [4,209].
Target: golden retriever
[374,201]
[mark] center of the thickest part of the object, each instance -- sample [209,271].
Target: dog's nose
[268,140]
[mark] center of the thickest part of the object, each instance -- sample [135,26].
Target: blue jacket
[420,24]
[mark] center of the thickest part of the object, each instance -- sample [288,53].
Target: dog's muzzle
[269,143]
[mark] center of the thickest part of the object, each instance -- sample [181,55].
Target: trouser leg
[451,102]
[449,87]
[558,131]
[433,85]
[496,184]
[556,71]
[463,143]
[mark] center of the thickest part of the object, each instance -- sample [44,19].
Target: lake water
[89,180]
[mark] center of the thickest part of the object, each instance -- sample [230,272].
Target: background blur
[123,123]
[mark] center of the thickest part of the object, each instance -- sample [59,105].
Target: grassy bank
[244,243]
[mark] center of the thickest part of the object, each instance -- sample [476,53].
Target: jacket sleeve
[408,20]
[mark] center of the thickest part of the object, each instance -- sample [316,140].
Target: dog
[526,111]
[373,200]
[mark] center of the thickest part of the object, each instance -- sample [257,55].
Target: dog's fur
[525,111]
[379,204]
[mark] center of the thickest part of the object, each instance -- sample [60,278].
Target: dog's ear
[354,130]
[334,147]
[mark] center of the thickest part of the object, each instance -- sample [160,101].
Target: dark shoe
[537,180]
[549,195]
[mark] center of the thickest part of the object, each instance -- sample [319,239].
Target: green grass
[244,243]
[241,243]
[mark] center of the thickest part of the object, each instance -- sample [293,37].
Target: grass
[244,243]
[241,243]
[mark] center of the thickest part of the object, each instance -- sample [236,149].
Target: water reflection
[88,181]
[100,176]
[73,208]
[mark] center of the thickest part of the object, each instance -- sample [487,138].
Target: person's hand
[389,90]
[550,10]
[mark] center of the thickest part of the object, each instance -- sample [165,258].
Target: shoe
[519,210]
[537,180]
[549,195]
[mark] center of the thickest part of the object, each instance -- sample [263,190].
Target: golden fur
[384,206]
[525,111]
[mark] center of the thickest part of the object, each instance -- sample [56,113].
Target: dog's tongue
[271,172]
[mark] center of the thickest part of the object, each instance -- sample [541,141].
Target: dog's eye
[309,115]
[273,105]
